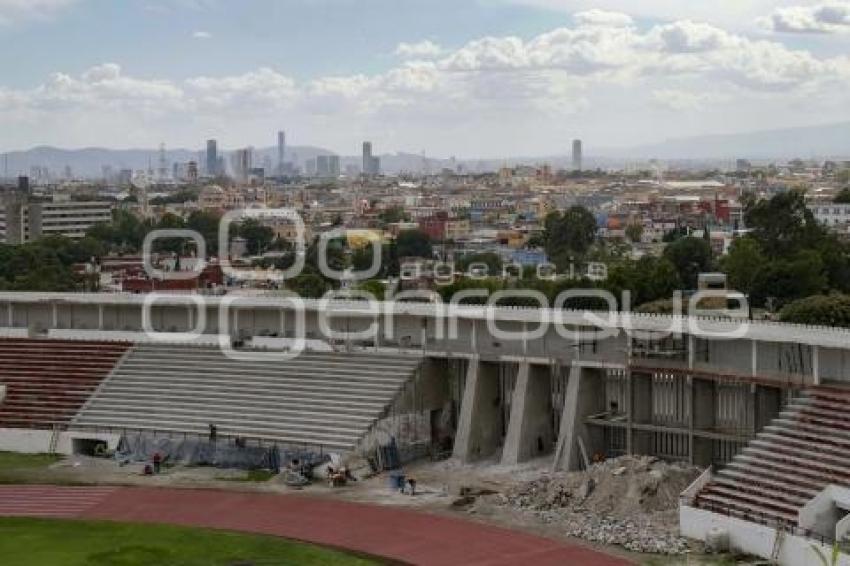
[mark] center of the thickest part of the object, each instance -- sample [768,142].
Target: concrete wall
[29,441]
[752,538]
[823,512]
[585,396]
[530,427]
[478,434]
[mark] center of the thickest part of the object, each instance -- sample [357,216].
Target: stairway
[324,399]
[804,449]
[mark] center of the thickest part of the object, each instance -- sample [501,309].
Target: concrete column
[10,313]
[640,412]
[816,365]
[754,358]
[524,340]
[478,433]
[530,426]
[100,317]
[55,318]
[190,317]
[585,396]
[703,417]
[691,351]
[282,318]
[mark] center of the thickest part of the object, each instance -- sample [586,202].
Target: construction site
[648,434]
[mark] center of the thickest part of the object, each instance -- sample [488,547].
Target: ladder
[54,439]
[777,543]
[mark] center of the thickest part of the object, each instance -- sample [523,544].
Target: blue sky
[496,77]
[301,38]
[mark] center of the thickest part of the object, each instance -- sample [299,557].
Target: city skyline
[520,77]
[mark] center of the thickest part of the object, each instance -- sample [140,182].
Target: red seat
[47,381]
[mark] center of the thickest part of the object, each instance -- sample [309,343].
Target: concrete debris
[631,501]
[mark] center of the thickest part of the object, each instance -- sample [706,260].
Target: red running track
[398,534]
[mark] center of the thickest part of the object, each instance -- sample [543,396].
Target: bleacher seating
[804,449]
[328,399]
[47,381]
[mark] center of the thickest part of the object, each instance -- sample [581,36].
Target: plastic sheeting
[223,453]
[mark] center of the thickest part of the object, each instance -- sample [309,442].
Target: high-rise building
[310,167]
[371,164]
[327,166]
[576,155]
[24,219]
[192,172]
[322,167]
[367,158]
[212,158]
[333,166]
[243,163]
[281,151]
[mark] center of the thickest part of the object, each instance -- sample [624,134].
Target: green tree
[785,280]
[647,279]
[690,256]
[206,223]
[569,235]
[375,287]
[257,236]
[742,263]
[309,285]
[392,215]
[413,243]
[175,245]
[828,310]
[783,225]
[493,262]
[634,231]
[843,197]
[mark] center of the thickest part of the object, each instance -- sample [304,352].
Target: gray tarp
[223,453]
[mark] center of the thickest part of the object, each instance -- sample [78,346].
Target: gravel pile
[631,501]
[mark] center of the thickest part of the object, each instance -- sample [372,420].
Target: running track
[398,534]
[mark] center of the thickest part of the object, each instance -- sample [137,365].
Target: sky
[465,78]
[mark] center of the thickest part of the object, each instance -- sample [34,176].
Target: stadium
[761,406]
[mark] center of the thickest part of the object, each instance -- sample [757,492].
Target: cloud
[603,18]
[202,35]
[731,14]
[614,52]
[423,50]
[602,66]
[831,17]
[12,11]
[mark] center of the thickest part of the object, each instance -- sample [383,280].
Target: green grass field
[42,542]
[22,468]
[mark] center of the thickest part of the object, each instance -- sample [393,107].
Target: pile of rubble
[630,501]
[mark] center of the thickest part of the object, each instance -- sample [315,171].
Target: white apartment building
[24,220]
[836,216]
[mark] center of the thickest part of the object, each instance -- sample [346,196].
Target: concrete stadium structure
[764,403]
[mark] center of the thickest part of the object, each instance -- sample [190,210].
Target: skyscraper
[371,164]
[212,158]
[333,166]
[577,155]
[322,166]
[243,163]
[367,158]
[281,151]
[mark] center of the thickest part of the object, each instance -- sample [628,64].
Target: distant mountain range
[824,141]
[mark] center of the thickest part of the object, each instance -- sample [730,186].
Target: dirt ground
[482,491]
